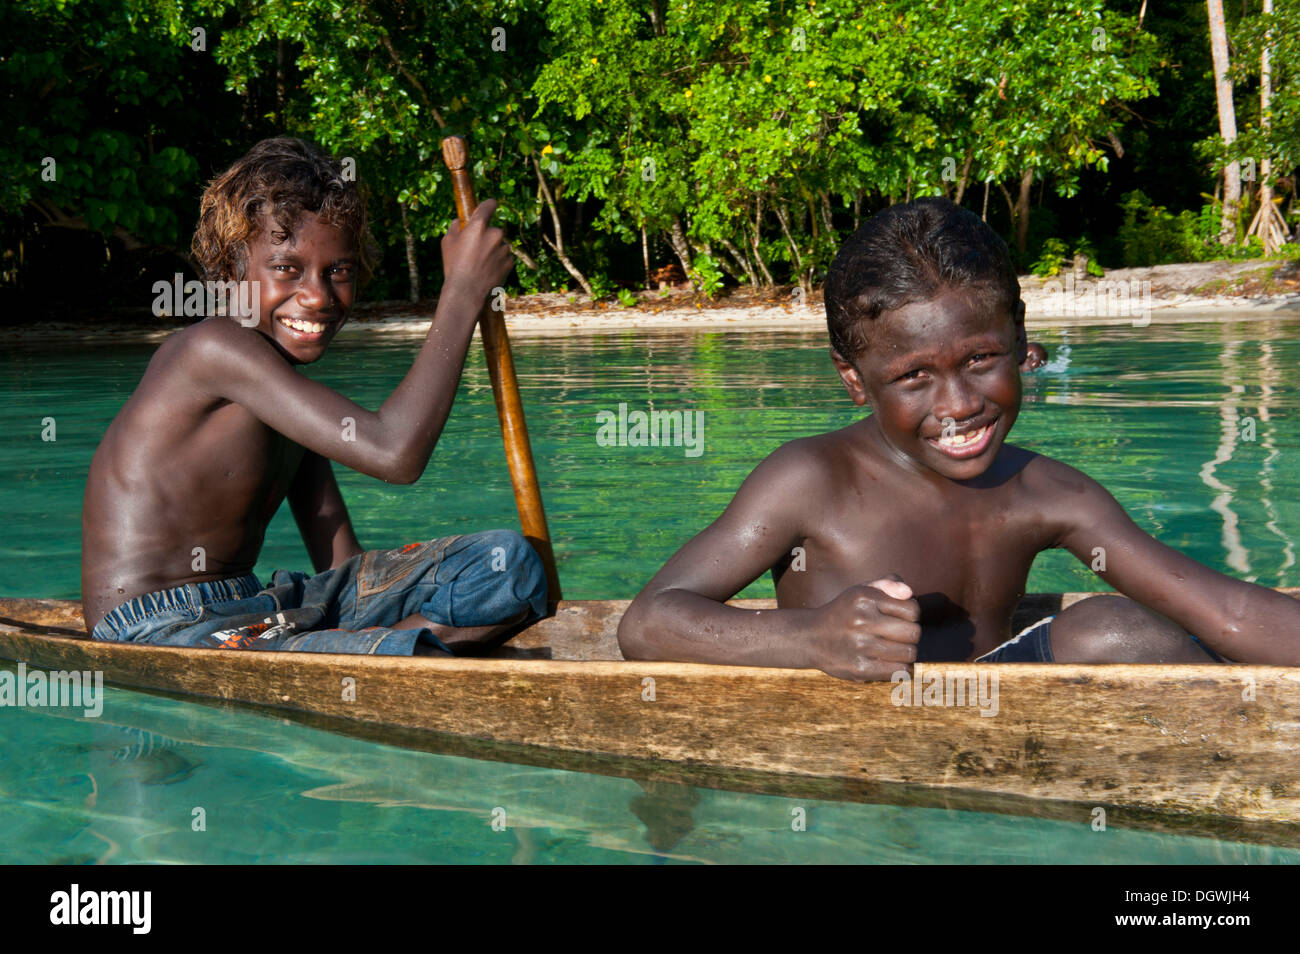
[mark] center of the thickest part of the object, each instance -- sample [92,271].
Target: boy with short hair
[223,427]
[915,528]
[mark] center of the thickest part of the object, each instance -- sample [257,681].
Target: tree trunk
[412,263]
[804,276]
[677,238]
[1022,211]
[558,245]
[279,84]
[1227,120]
[645,257]
[1266,164]
[965,174]
[1011,204]
[656,18]
[753,243]
[827,219]
[1272,237]
[743,261]
[523,256]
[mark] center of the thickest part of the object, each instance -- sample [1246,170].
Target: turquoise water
[125,788]
[1194,429]
[1147,412]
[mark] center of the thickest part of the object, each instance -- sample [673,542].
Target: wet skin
[222,427]
[910,550]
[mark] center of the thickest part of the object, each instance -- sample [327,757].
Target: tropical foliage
[740,139]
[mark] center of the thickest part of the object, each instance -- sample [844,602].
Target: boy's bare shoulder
[802,469]
[216,332]
[1065,497]
[214,345]
[815,455]
[1053,478]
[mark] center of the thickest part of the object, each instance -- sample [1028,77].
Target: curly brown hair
[283,178]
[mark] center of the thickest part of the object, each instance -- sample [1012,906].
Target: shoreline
[1135,297]
[582,321]
[813,318]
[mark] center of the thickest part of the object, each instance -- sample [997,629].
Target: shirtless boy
[223,427]
[917,525]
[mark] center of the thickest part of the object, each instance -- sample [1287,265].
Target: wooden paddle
[505,389]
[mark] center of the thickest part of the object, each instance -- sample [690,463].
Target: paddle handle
[505,390]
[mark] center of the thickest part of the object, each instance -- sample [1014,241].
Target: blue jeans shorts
[1033,644]
[480,579]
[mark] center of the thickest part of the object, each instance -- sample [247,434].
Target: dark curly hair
[283,178]
[908,253]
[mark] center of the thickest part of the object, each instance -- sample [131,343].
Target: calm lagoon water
[1192,427]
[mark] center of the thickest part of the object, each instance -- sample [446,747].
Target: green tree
[100,139]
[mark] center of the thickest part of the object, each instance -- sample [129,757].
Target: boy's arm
[321,514]
[1239,620]
[682,614]
[393,443]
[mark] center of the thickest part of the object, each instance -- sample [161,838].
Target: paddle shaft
[505,390]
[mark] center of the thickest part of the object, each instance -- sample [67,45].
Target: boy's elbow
[404,476]
[635,633]
[404,468]
[629,634]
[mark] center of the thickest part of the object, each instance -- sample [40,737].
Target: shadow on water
[665,809]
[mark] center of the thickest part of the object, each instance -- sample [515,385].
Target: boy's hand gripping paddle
[505,389]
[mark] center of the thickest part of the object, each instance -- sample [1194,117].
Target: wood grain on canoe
[1198,740]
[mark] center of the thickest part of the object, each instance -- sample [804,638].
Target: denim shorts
[481,579]
[1033,644]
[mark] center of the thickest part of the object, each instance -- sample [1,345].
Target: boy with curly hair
[222,428]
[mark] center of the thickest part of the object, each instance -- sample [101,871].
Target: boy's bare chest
[964,555]
[248,464]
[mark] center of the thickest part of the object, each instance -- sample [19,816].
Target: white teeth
[307,327]
[961,440]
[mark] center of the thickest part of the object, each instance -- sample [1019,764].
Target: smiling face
[943,380]
[307,284]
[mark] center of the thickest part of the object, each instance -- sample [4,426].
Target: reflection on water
[665,808]
[162,780]
[1244,421]
[1141,410]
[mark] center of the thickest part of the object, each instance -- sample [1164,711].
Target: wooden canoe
[1202,749]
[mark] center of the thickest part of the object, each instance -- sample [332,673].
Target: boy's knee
[510,552]
[513,557]
[1115,629]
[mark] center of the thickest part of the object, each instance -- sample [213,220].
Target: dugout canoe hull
[1188,746]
